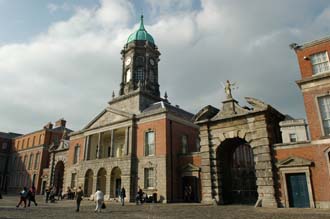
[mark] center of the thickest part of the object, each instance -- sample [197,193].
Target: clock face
[152,62]
[128,75]
[128,61]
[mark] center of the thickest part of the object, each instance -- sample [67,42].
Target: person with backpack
[23,194]
[99,198]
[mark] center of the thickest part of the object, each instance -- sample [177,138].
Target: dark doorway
[297,190]
[118,187]
[190,189]
[88,186]
[236,171]
[59,175]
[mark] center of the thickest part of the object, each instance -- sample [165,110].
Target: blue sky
[62,58]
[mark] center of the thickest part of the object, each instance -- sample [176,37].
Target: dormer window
[320,62]
[293,137]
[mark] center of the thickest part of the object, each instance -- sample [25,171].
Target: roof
[141,34]
[310,43]
[169,108]
[9,135]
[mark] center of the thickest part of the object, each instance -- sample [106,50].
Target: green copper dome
[141,34]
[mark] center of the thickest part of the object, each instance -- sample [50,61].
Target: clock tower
[140,58]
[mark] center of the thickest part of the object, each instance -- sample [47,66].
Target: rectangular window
[36,162]
[30,162]
[76,154]
[73,180]
[198,144]
[34,140]
[320,62]
[24,162]
[149,178]
[293,137]
[184,144]
[324,105]
[149,143]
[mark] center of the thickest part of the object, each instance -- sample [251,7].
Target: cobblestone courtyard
[66,209]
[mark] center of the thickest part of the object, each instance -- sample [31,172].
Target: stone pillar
[264,172]
[112,143]
[98,149]
[126,141]
[125,182]
[94,185]
[130,140]
[206,179]
[86,148]
[107,185]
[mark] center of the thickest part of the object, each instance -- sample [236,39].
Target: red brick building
[30,155]
[139,139]
[304,170]
[6,140]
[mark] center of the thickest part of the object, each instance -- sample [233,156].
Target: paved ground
[66,209]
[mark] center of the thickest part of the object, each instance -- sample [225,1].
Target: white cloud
[71,70]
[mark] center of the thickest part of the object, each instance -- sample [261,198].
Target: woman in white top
[99,198]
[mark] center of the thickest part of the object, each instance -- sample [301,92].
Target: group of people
[98,198]
[27,195]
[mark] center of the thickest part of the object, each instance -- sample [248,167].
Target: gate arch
[58,176]
[101,180]
[115,183]
[236,172]
[88,185]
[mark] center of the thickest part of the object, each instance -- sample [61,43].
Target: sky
[61,58]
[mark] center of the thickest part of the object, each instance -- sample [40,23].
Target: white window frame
[318,64]
[148,146]
[293,136]
[149,178]
[322,119]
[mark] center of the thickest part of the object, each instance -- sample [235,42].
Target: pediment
[206,113]
[190,168]
[294,161]
[108,116]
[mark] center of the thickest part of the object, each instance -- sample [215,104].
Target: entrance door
[297,190]
[118,187]
[190,189]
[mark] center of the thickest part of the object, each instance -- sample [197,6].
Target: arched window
[139,75]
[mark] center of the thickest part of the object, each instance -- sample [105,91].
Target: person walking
[32,196]
[79,196]
[47,194]
[99,198]
[23,194]
[122,196]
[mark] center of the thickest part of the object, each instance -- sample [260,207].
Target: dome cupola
[141,34]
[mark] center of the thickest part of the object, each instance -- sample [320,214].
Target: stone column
[94,185]
[206,179]
[107,185]
[264,172]
[98,150]
[130,140]
[126,141]
[86,148]
[112,143]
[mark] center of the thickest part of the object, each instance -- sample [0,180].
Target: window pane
[324,105]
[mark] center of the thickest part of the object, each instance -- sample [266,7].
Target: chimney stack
[48,126]
[60,123]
